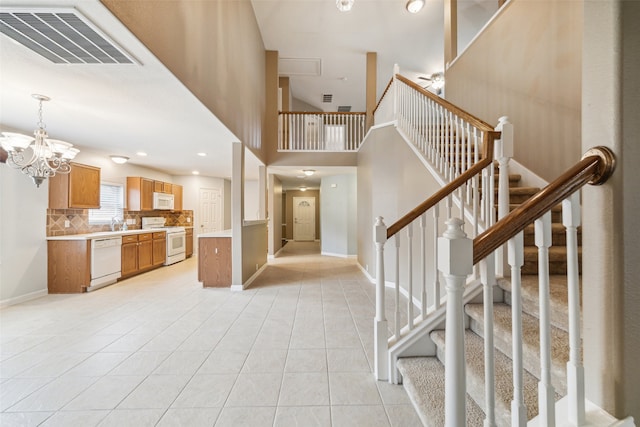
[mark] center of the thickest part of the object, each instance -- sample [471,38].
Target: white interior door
[304,218]
[210,210]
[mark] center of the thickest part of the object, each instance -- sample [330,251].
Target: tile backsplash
[79,220]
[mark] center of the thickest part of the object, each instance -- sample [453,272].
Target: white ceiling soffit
[61,35]
[299,67]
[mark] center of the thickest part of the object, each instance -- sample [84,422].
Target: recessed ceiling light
[119,159]
[202,154]
[195,172]
[309,172]
[141,153]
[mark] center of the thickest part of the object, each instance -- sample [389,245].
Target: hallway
[158,349]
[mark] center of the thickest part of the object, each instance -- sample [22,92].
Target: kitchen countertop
[102,234]
[223,233]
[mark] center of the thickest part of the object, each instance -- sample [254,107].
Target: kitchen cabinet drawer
[131,238]
[145,236]
[159,235]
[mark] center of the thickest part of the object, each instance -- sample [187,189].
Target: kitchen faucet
[115,221]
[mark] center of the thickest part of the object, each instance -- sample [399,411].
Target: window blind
[111,204]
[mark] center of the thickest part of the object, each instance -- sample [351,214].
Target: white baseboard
[529,179]
[23,298]
[246,284]
[338,255]
[276,254]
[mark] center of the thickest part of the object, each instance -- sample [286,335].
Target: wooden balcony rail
[329,132]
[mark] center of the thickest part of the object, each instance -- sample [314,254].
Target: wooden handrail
[383,94]
[595,168]
[438,196]
[474,121]
[322,113]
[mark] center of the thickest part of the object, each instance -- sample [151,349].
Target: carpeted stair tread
[423,380]
[530,341]
[558,297]
[474,353]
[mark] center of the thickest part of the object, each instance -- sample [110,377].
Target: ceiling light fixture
[308,172]
[344,5]
[415,6]
[141,154]
[202,154]
[39,157]
[195,173]
[303,188]
[119,159]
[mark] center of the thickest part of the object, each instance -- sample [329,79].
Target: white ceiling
[122,109]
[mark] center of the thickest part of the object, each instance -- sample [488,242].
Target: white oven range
[176,238]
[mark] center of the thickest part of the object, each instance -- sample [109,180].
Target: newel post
[455,261]
[503,152]
[381,365]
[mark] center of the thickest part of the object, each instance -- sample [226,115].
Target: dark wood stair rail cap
[595,168]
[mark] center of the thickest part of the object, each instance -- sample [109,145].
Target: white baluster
[455,261]
[546,392]
[410,275]
[381,367]
[423,264]
[436,279]
[488,278]
[516,260]
[575,369]
[503,152]
[397,290]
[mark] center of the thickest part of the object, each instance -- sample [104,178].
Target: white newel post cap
[455,250]
[379,231]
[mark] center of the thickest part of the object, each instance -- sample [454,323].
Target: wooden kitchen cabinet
[214,261]
[68,266]
[139,193]
[177,197]
[159,248]
[162,187]
[78,189]
[137,254]
[188,242]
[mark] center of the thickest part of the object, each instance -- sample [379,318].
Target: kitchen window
[111,204]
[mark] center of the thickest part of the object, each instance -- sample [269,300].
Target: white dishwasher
[106,261]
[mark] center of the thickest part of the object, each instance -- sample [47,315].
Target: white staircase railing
[459,150]
[450,142]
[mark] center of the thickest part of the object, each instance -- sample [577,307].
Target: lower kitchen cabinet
[69,266]
[188,242]
[159,248]
[137,254]
[214,261]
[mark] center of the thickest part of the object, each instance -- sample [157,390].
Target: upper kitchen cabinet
[177,197]
[139,193]
[162,187]
[78,189]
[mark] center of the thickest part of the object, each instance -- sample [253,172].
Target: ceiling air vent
[344,108]
[63,36]
[327,98]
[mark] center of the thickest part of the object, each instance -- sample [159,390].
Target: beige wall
[290,194]
[215,49]
[527,65]
[275,212]
[254,249]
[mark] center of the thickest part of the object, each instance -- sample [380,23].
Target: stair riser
[557,239]
[558,316]
[530,267]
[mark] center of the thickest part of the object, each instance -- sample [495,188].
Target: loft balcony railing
[328,132]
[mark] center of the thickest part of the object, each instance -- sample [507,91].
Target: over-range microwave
[162,201]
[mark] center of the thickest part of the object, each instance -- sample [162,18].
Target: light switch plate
[67,223]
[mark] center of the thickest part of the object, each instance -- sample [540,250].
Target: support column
[237,215]
[372,84]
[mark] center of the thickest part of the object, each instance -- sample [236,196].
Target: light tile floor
[295,349]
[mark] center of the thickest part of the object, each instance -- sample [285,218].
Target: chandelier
[39,157]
